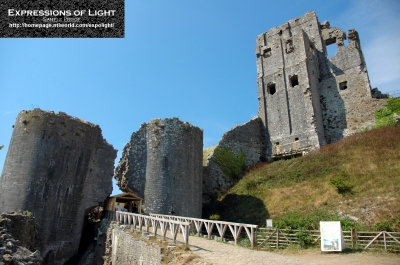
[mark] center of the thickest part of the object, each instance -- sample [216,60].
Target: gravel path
[217,253]
[211,252]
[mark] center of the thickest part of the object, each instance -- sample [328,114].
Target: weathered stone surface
[246,139]
[125,249]
[375,93]
[125,245]
[345,92]
[57,166]
[305,99]
[162,163]
[17,239]
[23,228]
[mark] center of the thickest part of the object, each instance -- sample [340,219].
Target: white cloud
[9,112]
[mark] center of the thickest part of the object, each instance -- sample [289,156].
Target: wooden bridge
[153,222]
[222,226]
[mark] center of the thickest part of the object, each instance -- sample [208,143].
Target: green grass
[385,117]
[358,176]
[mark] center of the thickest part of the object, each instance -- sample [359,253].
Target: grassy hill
[356,180]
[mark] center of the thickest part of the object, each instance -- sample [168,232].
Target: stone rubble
[17,236]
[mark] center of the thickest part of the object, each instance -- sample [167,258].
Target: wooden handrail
[235,228]
[152,222]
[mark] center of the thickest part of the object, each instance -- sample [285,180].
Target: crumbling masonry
[247,140]
[57,167]
[60,167]
[305,99]
[162,163]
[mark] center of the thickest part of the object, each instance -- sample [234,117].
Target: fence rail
[263,237]
[379,240]
[222,226]
[281,238]
[151,222]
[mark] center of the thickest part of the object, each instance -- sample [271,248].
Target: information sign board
[331,236]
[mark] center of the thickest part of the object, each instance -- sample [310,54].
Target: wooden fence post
[384,240]
[277,238]
[354,237]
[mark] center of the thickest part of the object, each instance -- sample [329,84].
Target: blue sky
[180,58]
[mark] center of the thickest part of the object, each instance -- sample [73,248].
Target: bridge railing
[154,223]
[222,226]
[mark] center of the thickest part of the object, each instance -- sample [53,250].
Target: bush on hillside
[231,164]
[297,220]
[385,117]
[341,185]
[305,238]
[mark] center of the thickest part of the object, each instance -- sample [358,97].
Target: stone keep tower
[305,99]
[57,167]
[162,163]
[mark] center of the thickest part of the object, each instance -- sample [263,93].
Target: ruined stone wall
[247,139]
[162,163]
[123,248]
[21,227]
[18,232]
[57,166]
[305,99]
[126,245]
[345,91]
[287,105]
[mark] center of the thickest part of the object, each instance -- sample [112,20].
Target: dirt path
[210,252]
[365,258]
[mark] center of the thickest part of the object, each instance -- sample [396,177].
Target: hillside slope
[357,177]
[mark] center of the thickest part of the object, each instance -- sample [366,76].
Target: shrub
[305,239]
[215,217]
[231,164]
[341,185]
[384,225]
[393,104]
[297,220]
[385,117]
[245,242]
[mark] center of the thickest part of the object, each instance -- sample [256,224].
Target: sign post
[331,236]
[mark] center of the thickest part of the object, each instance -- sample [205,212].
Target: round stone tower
[163,164]
[57,167]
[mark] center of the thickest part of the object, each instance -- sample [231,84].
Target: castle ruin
[305,99]
[245,140]
[60,167]
[57,167]
[162,163]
